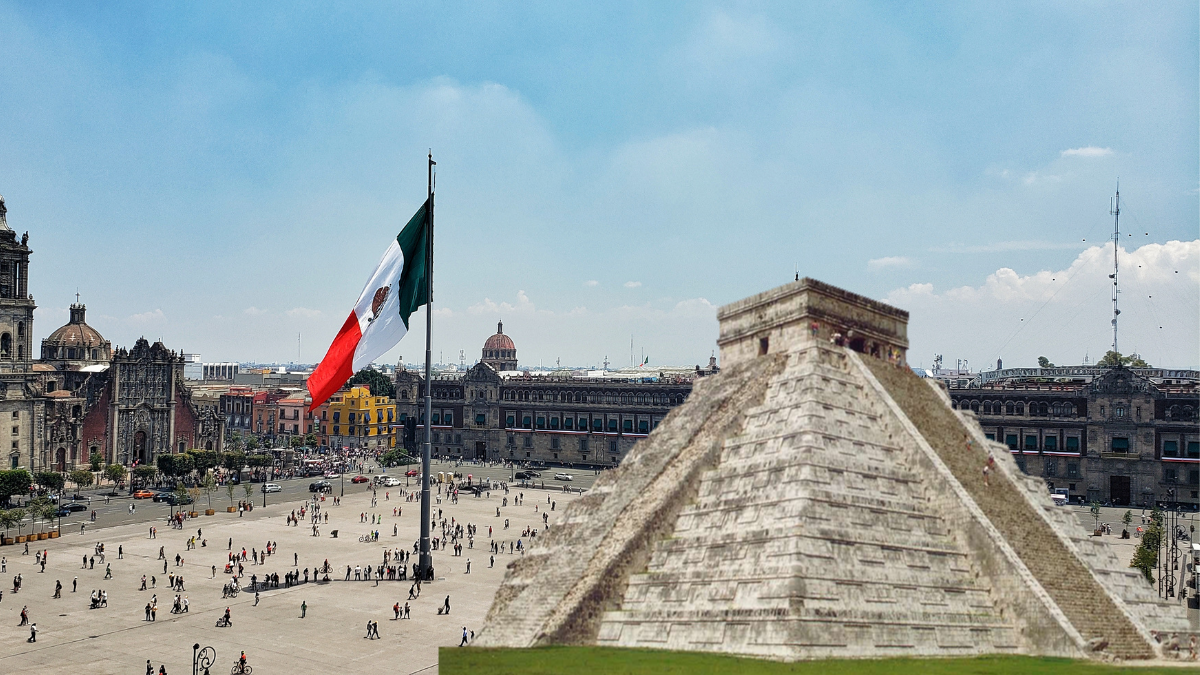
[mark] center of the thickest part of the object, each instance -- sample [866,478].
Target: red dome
[499,341]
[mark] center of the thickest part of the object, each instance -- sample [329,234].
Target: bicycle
[241,669]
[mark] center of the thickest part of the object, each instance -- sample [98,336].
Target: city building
[1127,437]
[494,411]
[193,369]
[220,371]
[356,418]
[83,397]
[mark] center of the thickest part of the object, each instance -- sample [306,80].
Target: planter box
[8,541]
[54,535]
[192,514]
[43,535]
[21,539]
[209,512]
[231,509]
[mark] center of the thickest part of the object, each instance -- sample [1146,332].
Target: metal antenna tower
[1114,208]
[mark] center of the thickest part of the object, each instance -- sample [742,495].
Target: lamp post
[202,658]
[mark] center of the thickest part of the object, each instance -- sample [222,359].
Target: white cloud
[890,262]
[1064,314]
[253,311]
[591,282]
[523,305]
[302,313]
[632,284]
[1088,151]
[148,317]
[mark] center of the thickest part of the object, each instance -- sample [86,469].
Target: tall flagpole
[426,559]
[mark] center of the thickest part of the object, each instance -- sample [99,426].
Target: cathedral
[82,397]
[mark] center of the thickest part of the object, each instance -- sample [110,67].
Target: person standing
[303,608]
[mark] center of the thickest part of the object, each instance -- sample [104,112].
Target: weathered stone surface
[817,502]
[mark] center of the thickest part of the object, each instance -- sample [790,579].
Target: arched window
[5,346]
[20,329]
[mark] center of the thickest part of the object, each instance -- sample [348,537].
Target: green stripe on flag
[413,287]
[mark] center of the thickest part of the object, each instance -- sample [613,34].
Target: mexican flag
[397,287]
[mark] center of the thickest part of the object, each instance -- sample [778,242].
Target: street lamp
[202,658]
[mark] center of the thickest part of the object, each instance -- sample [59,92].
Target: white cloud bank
[890,262]
[1064,314]
[1089,151]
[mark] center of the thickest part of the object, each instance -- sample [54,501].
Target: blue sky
[224,176]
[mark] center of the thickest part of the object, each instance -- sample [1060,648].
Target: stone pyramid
[815,499]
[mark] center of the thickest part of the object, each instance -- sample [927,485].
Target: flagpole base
[425,565]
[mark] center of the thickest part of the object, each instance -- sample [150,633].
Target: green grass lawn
[586,660]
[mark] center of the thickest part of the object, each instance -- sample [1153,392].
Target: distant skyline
[224,176]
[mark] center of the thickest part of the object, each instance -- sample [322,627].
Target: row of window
[1048,444]
[598,424]
[556,443]
[353,417]
[355,430]
[1171,475]
[1171,449]
[612,398]
[1036,409]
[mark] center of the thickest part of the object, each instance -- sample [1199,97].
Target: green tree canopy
[259,460]
[252,443]
[1044,362]
[1113,359]
[82,478]
[234,461]
[51,480]
[115,472]
[144,471]
[379,384]
[203,460]
[14,482]
[96,460]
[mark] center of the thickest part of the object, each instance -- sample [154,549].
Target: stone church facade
[82,397]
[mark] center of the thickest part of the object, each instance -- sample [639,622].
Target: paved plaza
[330,638]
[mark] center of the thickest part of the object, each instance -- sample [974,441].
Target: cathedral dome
[499,350]
[499,340]
[76,341]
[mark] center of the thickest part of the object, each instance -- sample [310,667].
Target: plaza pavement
[116,639]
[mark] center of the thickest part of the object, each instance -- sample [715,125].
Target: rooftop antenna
[299,348]
[1114,207]
[462,360]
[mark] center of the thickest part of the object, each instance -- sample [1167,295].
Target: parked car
[526,474]
[359,479]
[144,494]
[389,481]
[563,476]
[175,500]
[333,474]
[412,472]
[162,496]
[272,487]
[320,486]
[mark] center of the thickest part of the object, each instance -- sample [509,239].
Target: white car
[272,487]
[563,476]
[388,481]
[332,474]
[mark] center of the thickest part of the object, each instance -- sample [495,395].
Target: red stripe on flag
[338,364]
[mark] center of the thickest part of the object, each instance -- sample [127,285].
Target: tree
[10,518]
[310,440]
[14,482]
[248,489]
[229,490]
[115,473]
[181,494]
[96,461]
[252,443]
[259,461]
[81,478]
[1044,362]
[1127,518]
[1145,558]
[17,517]
[166,464]
[297,442]
[203,460]
[144,472]
[234,461]
[376,381]
[1114,359]
[51,480]
[236,442]
[49,512]
[1096,514]
[209,485]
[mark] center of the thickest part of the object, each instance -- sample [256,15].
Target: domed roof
[76,333]
[499,340]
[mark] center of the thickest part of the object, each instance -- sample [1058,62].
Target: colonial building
[496,412]
[1128,437]
[81,397]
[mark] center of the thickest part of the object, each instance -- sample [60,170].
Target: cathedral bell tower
[16,305]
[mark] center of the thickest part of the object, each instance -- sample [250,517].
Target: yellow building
[356,418]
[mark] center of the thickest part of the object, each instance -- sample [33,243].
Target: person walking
[32,633]
[303,608]
[24,616]
[256,598]
[464,638]
[57,589]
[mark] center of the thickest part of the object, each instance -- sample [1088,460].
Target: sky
[224,176]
